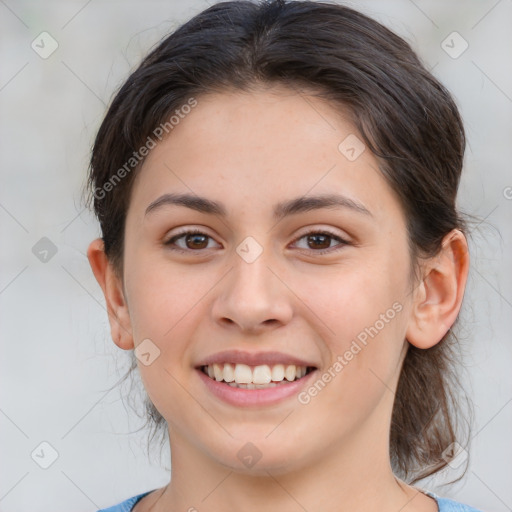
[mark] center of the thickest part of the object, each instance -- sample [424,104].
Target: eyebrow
[281,210]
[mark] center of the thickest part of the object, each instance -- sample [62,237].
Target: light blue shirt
[444,504]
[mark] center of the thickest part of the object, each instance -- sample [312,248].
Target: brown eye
[319,242]
[196,241]
[189,241]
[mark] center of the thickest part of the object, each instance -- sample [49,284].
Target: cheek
[166,307]
[165,311]
[354,297]
[162,298]
[365,311]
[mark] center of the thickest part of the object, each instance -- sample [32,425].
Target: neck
[353,476]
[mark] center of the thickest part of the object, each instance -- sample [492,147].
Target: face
[274,275]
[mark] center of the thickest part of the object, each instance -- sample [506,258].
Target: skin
[251,151]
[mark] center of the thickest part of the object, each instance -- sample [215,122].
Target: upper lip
[253,358]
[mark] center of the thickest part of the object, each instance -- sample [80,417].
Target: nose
[253,297]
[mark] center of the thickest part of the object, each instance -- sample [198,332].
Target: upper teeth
[263,374]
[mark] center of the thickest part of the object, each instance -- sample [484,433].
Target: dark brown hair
[404,115]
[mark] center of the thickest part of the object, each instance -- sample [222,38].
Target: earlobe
[438,297]
[117,308]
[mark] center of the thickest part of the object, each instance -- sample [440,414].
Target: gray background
[58,361]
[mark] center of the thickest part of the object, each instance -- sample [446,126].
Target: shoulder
[444,504]
[447,505]
[126,505]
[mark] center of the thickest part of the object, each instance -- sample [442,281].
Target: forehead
[254,149]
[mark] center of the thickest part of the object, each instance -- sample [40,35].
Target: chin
[260,457]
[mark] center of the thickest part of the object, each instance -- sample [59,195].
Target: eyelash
[170,243]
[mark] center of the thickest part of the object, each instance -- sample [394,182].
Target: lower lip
[254,397]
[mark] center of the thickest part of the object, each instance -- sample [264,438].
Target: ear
[111,284]
[438,297]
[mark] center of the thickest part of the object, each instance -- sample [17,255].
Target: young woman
[280,248]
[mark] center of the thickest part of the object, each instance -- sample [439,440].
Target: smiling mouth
[255,377]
